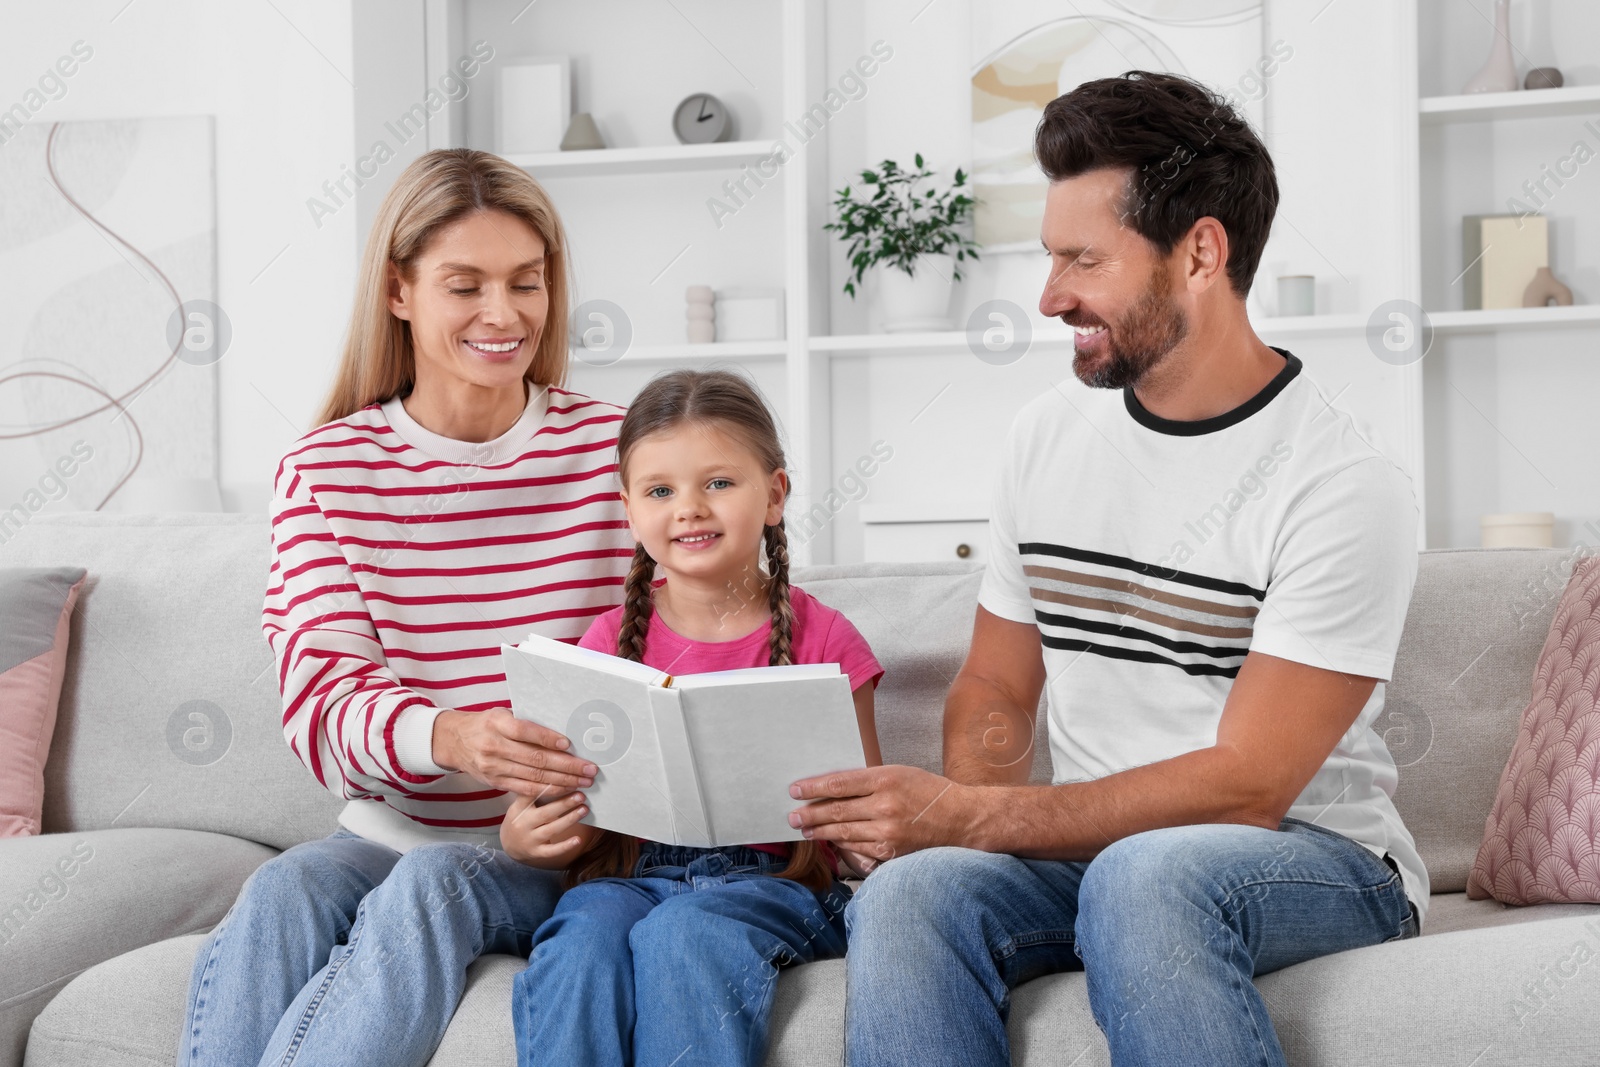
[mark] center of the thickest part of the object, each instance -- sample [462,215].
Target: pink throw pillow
[35,621]
[1541,842]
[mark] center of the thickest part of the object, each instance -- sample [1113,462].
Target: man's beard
[1149,330]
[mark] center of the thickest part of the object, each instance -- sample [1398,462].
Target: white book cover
[694,759]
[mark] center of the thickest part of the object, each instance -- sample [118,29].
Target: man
[1209,568]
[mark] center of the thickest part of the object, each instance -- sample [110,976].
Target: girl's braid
[778,596]
[636,606]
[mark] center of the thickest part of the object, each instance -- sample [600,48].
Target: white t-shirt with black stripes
[1154,554]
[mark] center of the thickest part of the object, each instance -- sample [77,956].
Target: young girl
[661,954]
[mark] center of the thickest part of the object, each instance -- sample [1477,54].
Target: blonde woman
[454,497]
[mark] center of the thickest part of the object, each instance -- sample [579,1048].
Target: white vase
[916,302]
[1499,72]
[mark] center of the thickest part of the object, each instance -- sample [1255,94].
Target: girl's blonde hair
[731,403]
[438,189]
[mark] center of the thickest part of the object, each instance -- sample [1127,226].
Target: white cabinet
[915,542]
[943,533]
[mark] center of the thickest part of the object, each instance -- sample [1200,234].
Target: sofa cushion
[1449,912]
[69,901]
[1439,998]
[35,628]
[1474,629]
[918,618]
[127,1012]
[170,714]
[1539,842]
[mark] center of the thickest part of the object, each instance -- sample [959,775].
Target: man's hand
[879,813]
[508,753]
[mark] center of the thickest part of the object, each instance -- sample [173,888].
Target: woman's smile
[495,349]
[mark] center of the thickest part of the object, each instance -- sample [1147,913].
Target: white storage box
[746,314]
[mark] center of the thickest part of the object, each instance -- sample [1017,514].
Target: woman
[455,498]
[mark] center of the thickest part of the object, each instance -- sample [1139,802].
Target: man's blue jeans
[343,951]
[676,965]
[1170,926]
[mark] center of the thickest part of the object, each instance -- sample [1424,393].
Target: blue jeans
[1170,926]
[676,965]
[343,951]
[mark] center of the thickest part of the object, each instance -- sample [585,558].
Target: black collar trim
[1195,427]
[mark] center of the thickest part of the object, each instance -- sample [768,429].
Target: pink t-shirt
[821,635]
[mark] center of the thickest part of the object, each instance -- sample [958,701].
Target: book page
[610,722]
[550,648]
[685,807]
[752,739]
[754,674]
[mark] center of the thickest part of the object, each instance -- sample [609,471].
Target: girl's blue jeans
[1170,926]
[676,965]
[343,951]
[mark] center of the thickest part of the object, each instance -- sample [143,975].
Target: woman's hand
[508,753]
[546,833]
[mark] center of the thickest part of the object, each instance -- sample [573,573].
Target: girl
[453,497]
[661,954]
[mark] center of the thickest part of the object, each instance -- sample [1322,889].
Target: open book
[694,759]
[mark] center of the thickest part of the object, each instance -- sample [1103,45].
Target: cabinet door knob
[963,550]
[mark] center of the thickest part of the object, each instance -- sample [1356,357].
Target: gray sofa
[169,782]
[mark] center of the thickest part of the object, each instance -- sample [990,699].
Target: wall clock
[702,119]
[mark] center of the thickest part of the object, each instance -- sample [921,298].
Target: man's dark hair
[1190,154]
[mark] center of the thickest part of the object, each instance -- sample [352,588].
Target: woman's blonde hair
[731,403]
[435,191]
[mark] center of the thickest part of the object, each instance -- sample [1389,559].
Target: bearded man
[1206,568]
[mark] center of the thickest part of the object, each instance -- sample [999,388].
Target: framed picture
[534,104]
[1025,54]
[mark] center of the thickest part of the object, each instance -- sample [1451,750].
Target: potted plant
[913,236]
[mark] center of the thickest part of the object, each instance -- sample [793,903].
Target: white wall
[283,108]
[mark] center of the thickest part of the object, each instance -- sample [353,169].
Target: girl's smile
[698,540]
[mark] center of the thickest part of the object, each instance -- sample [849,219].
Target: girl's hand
[855,862]
[546,833]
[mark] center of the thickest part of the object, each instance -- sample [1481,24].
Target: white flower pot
[915,303]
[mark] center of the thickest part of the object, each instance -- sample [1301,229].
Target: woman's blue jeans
[676,965]
[343,951]
[1170,926]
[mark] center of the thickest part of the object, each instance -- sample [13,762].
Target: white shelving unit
[1508,422]
[1527,104]
[945,342]
[629,212]
[735,351]
[652,159]
[1518,318]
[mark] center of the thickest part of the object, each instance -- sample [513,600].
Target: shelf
[1521,104]
[940,342]
[1533,318]
[954,342]
[692,353]
[1309,325]
[654,159]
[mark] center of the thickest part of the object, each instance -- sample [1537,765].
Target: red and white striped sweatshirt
[402,560]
